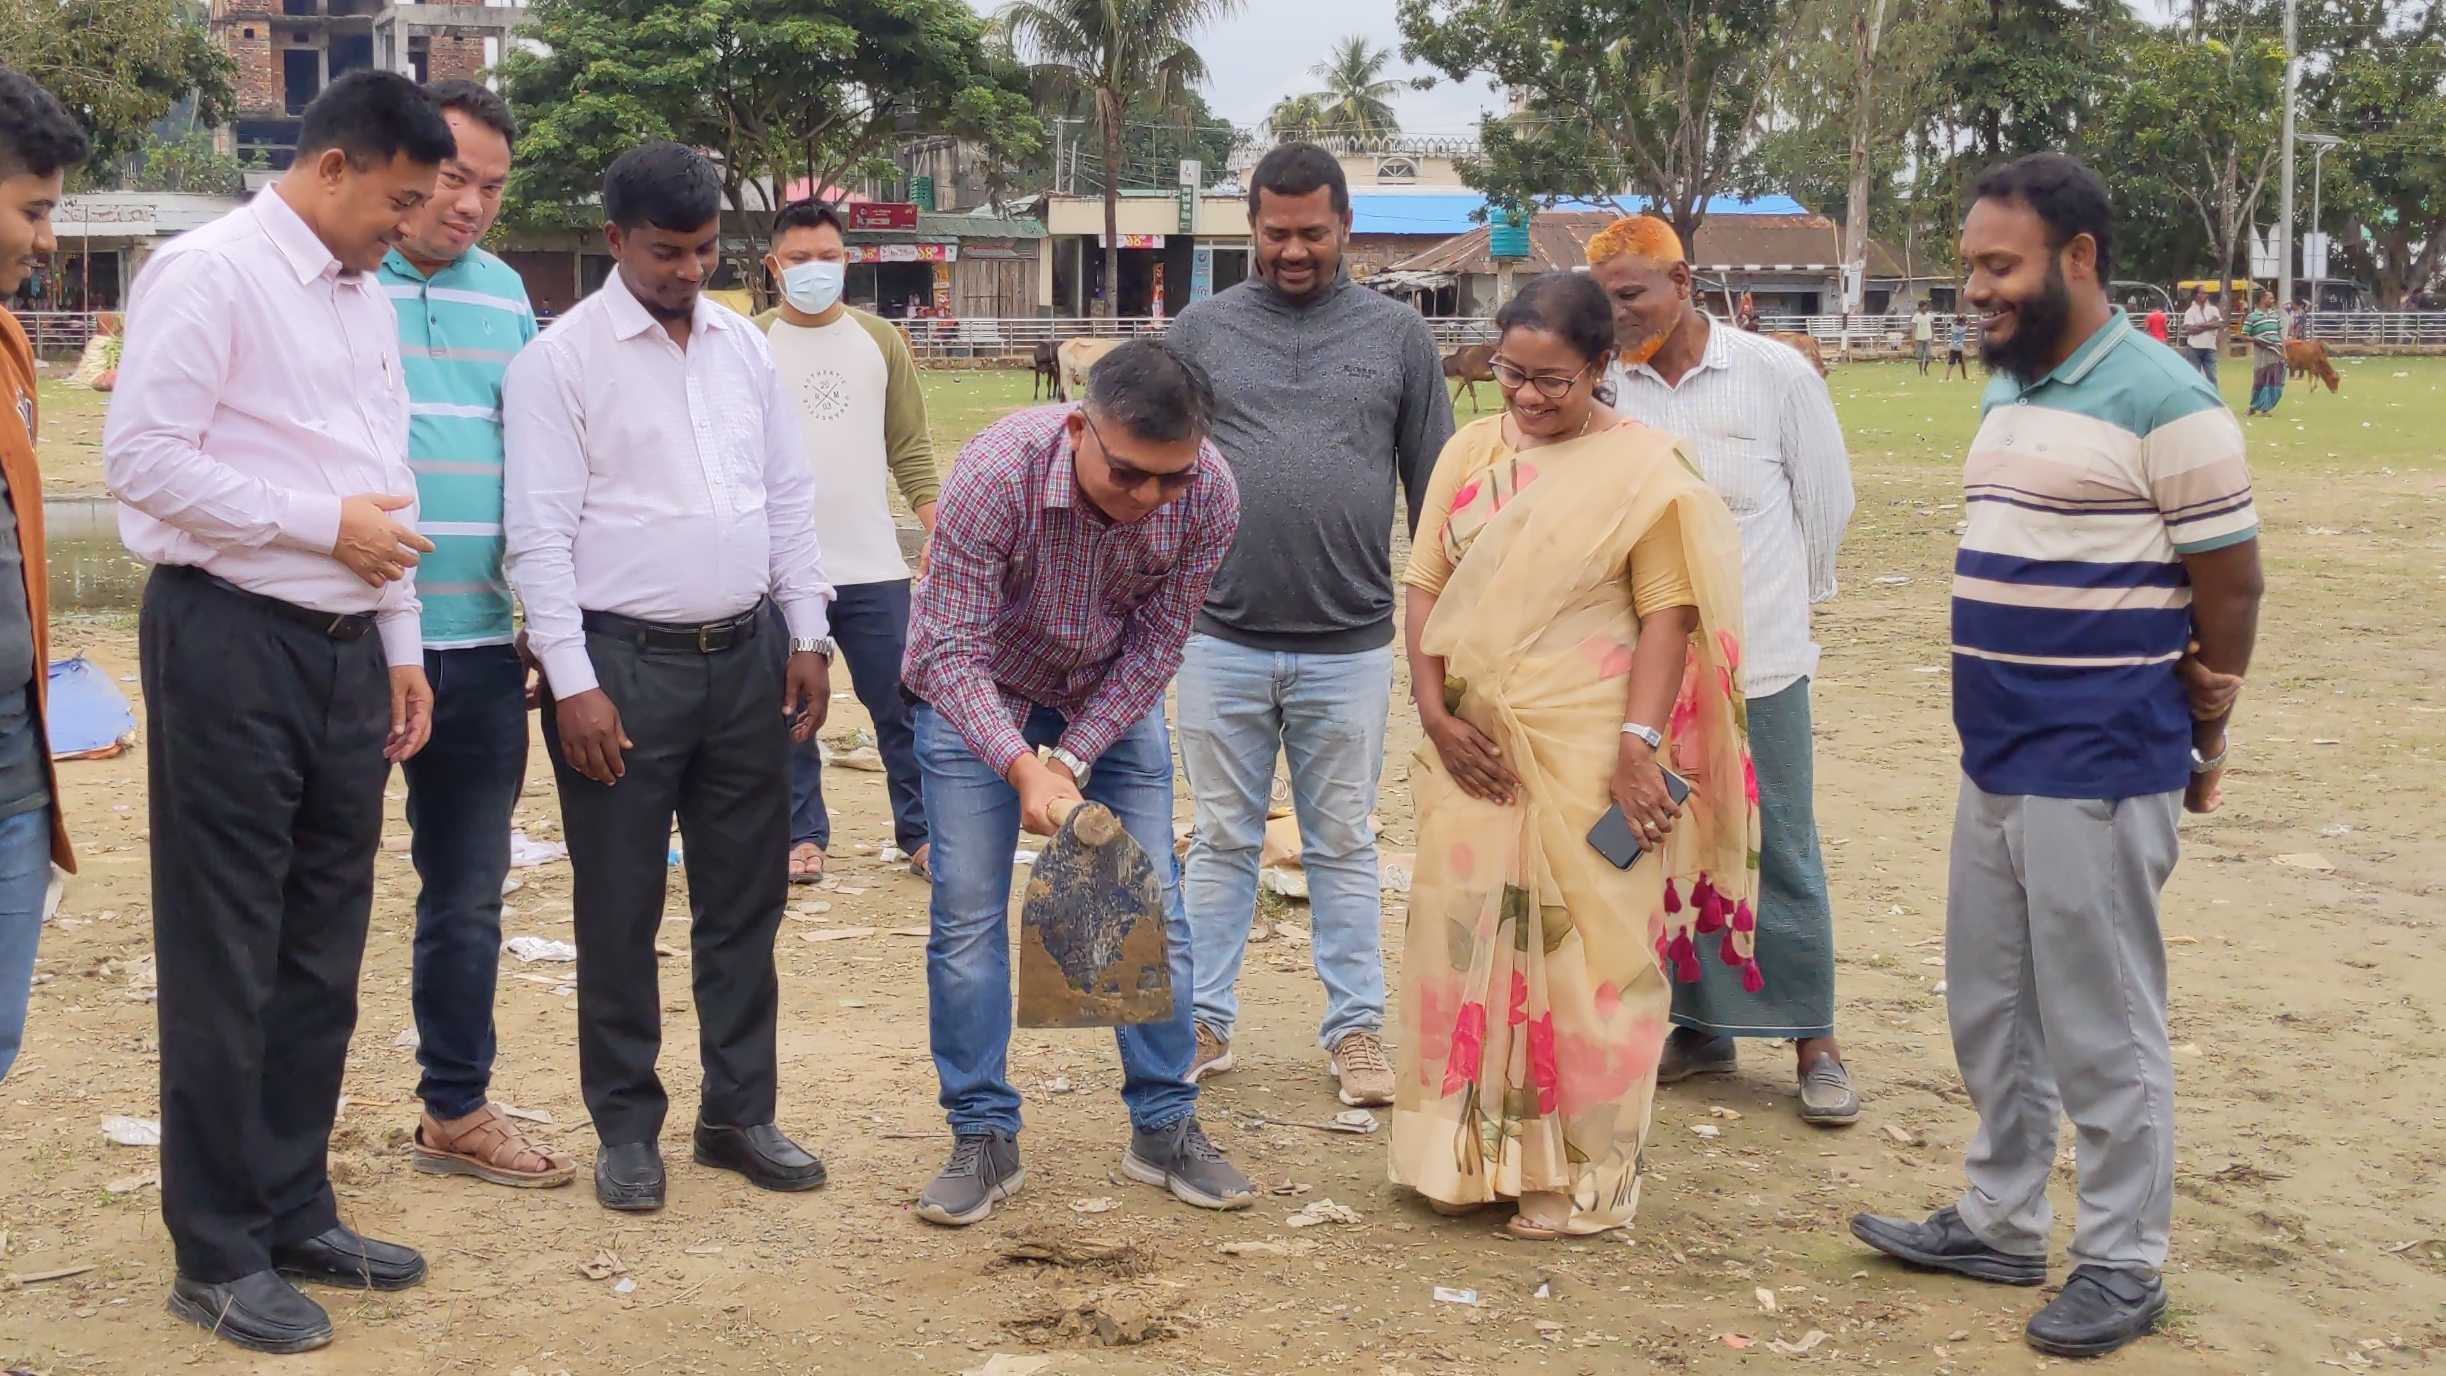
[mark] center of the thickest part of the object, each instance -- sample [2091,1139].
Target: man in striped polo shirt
[463,314]
[2110,528]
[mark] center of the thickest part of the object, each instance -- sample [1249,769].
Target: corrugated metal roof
[1377,211]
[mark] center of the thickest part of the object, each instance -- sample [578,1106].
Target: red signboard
[883,215]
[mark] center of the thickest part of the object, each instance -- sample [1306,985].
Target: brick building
[287,51]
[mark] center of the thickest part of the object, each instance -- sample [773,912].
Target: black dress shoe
[2099,1309]
[260,1311]
[628,1177]
[338,1256]
[769,1160]
[1946,1243]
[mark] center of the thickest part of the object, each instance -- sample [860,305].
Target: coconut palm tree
[1295,118]
[1112,54]
[1357,102]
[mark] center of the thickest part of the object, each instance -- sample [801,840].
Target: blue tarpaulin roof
[1391,213]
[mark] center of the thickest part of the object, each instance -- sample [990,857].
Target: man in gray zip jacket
[1329,393]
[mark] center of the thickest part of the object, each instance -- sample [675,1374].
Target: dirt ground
[2309,1227]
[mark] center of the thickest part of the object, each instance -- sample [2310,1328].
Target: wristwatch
[812,645]
[1076,766]
[2201,764]
[1654,737]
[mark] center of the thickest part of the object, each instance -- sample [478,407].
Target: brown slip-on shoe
[486,1144]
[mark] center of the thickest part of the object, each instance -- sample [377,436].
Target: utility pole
[2319,144]
[2284,251]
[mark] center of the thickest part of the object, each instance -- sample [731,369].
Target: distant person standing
[657,508]
[1923,336]
[1956,351]
[2156,322]
[2265,329]
[1328,396]
[39,142]
[463,315]
[862,412]
[2110,526]
[258,445]
[2203,328]
[1759,423]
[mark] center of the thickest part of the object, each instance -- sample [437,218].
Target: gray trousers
[2056,991]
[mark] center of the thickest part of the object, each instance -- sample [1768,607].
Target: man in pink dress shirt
[257,443]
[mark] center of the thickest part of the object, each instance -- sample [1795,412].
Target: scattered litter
[1445,1294]
[2189,1049]
[526,853]
[407,1040]
[892,855]
[625,1285]
[1547,1328]
[865,757]
[602,1266]
[836,934]
[1290,1189]
[1939,989]
[1023,857]
[2308,860]
[1707,1130]
[1005,1364]
[2325,740]
[1297,1248]
[132,1132]
[1357,1121]
[1736,1342]
[2182,941]
[848,890]
[1893,580]
[663,952]
[1059,1084]
[38,1277]
[1322,1211]
[129,1184]
[853,1003]
[704,1251]
[1730,1115]
[921,933]
[1808,1340]
[1900,1136]
[535,948]
[1102,1204]
[1544,1291]
[1766,1299]
[813,908]
[511,884]
[526,1115]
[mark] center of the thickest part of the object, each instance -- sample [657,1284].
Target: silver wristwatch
[812,645]
[1654,737]
[2201,764]
[1076,766]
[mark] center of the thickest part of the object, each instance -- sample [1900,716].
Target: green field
[2390,416]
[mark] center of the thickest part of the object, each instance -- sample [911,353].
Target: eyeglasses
[1552,386]
[1128,476]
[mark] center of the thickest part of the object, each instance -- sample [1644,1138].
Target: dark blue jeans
[462,788]
[870,624]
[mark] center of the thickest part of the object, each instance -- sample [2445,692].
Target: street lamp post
[2319,144]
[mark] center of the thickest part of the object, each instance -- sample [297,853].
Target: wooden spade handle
[1098,828]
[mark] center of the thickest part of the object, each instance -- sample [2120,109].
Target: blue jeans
[25,875]
[968,959]
[870,624]
[2205,360]
[1239,708]
[462,788]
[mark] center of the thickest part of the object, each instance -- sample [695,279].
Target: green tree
[119,66]
[188,162]
[1111,55]
[772,90]
[1153,144]
[1662,97]
[1295,118]
[1357,102]
[2383,90]
[2203,118]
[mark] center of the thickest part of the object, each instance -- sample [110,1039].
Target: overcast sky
[1264,54]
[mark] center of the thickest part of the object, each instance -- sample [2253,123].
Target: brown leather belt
[709,638]
[337,625]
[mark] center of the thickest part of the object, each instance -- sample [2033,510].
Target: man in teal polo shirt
[463,314]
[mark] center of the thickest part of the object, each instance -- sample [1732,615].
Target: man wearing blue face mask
[855,386]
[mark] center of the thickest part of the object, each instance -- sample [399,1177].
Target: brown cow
[1806,345]
[1471,364]
[1046,358]
[2304,357]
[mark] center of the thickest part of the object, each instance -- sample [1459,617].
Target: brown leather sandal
[488,1146]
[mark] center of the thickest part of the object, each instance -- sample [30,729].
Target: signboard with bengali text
[882,214]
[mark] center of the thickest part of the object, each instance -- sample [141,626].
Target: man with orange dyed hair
[1757,419]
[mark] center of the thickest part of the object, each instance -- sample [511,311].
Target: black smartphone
[1612,836]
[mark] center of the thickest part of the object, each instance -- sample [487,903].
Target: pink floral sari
[1534,994]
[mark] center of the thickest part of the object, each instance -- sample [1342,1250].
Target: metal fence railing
[58,332]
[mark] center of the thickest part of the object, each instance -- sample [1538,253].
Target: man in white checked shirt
[1757,418]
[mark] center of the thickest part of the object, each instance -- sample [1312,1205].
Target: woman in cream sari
[1575,585]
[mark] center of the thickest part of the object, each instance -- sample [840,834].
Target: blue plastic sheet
[88,715]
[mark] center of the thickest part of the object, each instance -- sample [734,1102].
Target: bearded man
[1757,419]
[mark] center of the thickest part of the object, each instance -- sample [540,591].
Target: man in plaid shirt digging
[1072,549]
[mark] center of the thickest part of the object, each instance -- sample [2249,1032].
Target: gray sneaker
[1180,1159]
[983,1170]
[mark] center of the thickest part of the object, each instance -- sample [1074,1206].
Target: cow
[2306,357]
[1805,345]
[1471,364]
[1047,360]
[1077,356]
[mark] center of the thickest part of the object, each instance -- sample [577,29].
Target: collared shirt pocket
[1740,462]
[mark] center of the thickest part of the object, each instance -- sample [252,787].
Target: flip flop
[799,873]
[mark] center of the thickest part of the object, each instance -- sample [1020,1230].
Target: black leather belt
[710,638]
[337,625]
